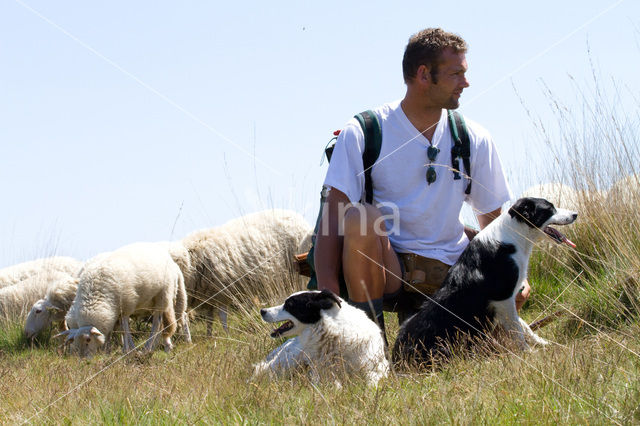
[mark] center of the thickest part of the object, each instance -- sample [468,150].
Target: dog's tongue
[558,236]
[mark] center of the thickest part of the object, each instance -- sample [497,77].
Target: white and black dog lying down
[331,337]
[480,289]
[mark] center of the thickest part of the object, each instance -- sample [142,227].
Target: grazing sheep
[14,274]
[233,263]
[61,293]
[180,256]
[17,299]
[134,279]
[53,307]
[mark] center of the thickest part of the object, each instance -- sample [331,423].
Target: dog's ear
[523,210]
[326,299]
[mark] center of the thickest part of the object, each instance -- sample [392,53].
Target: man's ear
[423,74]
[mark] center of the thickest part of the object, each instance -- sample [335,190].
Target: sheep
[231,262]
[53,307]
[15,300]
[557,193]
[137,278]
[14,274]
[180,256]
[625,191]
[61,293]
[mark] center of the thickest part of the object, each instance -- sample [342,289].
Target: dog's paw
[259,369]
[542,342]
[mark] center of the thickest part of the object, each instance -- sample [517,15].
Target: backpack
[372,130]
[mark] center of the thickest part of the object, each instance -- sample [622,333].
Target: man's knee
[363,221]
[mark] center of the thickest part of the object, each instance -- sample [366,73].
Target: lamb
[233,262]
[53,307]
[14,274]
[15,300]
[61,293]
[134,279]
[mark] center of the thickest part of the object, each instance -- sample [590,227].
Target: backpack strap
[461,147]
[372,142]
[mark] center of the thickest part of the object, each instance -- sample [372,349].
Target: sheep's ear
[95,332]
[62,334]
[53,309]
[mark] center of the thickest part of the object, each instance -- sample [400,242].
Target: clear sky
[144,121]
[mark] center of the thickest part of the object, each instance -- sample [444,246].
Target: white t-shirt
[429,215]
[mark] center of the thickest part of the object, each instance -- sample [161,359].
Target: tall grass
[595,151]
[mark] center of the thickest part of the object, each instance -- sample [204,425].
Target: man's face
[450,80]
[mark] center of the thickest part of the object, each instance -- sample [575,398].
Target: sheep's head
[41,315]
[83,341]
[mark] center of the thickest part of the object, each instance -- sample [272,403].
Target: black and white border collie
[331,337]
[480,289]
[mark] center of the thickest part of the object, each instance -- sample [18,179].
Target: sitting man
[395,251]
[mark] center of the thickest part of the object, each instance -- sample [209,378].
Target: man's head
[426,48]
[436,59]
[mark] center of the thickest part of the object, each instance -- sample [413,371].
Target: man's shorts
[421,278]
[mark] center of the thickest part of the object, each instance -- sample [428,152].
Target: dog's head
[539,214]
[300,310]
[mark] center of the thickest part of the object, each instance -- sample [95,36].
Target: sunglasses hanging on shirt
[432,153]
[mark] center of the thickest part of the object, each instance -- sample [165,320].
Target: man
[373,244]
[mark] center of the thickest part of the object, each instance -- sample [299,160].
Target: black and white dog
[330,336]
[480,289]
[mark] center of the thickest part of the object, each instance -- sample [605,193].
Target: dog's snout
[263,312]
[574,216]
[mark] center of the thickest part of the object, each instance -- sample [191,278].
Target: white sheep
[559,194]
[14,274]
[138,278]
[17,299]
[53,307]
[61,293]
[232,262]
[625,191]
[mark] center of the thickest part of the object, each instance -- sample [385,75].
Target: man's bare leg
[370,266]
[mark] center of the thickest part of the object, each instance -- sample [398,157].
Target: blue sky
[144,121]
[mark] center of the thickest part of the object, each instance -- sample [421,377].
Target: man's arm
[487,218]
[328,247]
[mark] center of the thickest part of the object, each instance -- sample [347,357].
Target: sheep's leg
[185,327]
[107,344]
[155,330]
[127,339]
[222,314]
[209,320]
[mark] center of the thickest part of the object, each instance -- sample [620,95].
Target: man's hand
[523,295]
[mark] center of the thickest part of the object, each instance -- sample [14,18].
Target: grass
[590,379]
[589,375]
